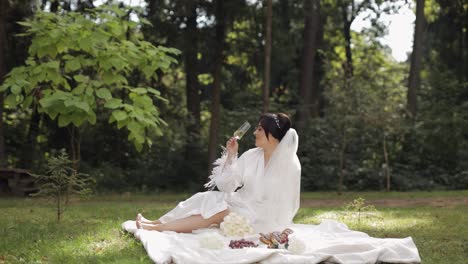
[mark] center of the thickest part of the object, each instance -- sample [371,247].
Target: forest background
[143,97]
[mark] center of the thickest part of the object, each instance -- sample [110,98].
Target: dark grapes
[242,243]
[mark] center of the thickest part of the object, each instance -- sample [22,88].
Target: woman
[268,177]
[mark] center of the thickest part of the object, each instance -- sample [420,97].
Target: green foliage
[62,181]
[97,71]
[83,65]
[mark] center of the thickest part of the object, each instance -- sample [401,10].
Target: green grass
[90,230]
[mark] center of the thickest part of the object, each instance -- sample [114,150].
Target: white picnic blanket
[329,241]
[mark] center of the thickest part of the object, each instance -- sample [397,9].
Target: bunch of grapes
[242,243]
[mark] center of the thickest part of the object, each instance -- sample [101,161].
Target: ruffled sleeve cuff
[223,173]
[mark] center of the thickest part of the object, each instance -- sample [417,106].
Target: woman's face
[260,137]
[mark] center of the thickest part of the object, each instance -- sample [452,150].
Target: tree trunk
[342,161]
[29,153]
[387,166]
[415,68]
[349,55]
[82,5]
[192,148]
[216,96]
[342,166]
[75,149]
[191,86]
[267,65]
[54,6]
[318,100]
[348,67]
[4,7]
[309,51]
[75,146]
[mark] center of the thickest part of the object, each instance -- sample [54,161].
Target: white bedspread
[329,241]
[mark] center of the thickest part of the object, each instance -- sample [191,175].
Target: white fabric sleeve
[226,173]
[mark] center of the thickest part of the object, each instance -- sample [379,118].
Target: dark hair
[276,124]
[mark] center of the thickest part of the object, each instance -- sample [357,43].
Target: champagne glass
[241,130]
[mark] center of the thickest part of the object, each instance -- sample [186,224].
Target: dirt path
[390,202]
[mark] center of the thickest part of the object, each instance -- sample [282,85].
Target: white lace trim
[219,167]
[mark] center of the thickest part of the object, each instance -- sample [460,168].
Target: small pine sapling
[61,181]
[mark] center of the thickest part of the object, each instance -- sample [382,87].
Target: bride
[263,184]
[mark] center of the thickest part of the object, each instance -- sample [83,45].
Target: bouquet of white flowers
[235,225]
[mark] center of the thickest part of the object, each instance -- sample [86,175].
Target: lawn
[90,230]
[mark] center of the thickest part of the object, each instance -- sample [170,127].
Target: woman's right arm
[227,170]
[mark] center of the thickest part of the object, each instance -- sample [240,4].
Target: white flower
[211,241]
[296,245]
[235,225]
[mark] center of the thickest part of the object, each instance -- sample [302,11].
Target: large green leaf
[64,120]
[15,89]
[92,117]
[78,119]
[10,100]
[135,127]
[119,115]
[113,103]
[27,101]
[104,93]
[140,90]
[83,106]
[79,89]
[72,65]
[81,78]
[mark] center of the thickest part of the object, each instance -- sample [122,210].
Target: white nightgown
[269,196]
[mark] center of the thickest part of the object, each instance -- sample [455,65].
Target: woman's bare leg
[188,224]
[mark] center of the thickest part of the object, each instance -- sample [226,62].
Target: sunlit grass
[90,230]
[380,195]
[439,233]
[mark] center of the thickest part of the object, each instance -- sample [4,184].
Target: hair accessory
[276,120]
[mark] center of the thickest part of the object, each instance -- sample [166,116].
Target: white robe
[269,198]
[269,204]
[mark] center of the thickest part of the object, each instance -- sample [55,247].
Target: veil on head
[285,151]
[279,192]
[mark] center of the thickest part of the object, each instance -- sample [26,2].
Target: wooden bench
[17,182]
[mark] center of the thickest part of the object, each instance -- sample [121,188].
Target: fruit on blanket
[242,243]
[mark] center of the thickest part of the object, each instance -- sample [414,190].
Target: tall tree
[267,65]
[4,7]
[415,68]
[190,58]
[307,107]
[216,95]
[192,91]
[350,9]
[348,14]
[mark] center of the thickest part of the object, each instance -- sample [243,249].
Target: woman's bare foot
[138,221]
[147,221]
